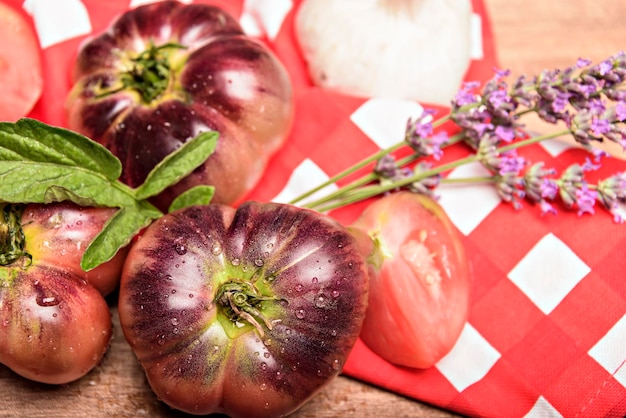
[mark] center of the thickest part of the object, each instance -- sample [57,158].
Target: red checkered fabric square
[546,334]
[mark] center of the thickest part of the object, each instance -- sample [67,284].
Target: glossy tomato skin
[21,71]
[55,326]
[221,80]
[420,288]
[199,359]
[59,233]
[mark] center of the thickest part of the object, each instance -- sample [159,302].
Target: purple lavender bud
[509,188]
[537,183]
[427,185]
[559,104]
[386,167]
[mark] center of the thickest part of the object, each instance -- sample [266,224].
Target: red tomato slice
[419,297]
[21,78]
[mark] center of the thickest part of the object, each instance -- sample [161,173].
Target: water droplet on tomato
[180,249]
[263,386]
[258,262]
[47,301]
[279,375]
[300,314]
[263,366]
[216,249]
[174,321]
[314,280]
[266,355]
[335,293]
[336,365]
[333,333]
[235,261]
[299,287]
[320,301]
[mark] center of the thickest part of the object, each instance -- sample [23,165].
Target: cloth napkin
[546,334]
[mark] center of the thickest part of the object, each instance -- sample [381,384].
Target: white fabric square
[610,351]
[264,17]
[548,272]
[555,147]
[59,20]
[476,37]
[384,120]
[305,177]
[543,409]
[136,3]
[470,359]
[468,204]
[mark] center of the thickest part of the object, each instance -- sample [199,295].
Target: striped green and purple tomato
[247,312]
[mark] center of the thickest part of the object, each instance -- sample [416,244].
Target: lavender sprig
[588,101]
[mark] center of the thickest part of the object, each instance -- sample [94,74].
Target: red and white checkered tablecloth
[546,334]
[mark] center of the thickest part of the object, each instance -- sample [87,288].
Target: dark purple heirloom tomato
[165,72]
[248,311]
[54,325]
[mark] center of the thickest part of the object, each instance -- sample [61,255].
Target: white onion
[407,49]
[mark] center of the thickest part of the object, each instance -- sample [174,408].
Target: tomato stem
[240,301]
[150,73]
[12,239]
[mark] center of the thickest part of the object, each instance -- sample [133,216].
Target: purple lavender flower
[599,127]
[466,94]
[546,207]
[505,133]
[419,135]
[511,163]
[549,189]
[611,192]
[585,199]
[620,112]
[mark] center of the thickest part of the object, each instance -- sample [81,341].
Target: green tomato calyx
[240,301]
[12,239]
[150,73]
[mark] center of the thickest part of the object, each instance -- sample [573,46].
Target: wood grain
[529,37]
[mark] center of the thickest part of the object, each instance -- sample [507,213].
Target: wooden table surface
[529,36]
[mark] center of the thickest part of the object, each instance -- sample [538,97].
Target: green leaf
[198,195]
[34,182]
[117,233]
[178,164]
[29,140]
